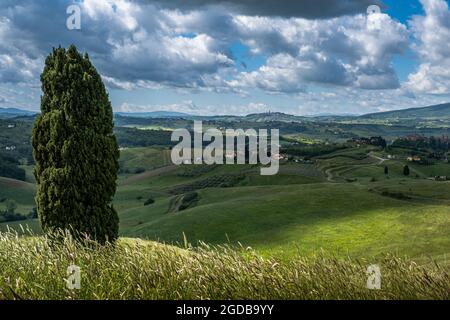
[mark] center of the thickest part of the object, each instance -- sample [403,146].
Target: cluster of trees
[372,141]
[132,137]
[440,144]
[10,214]
[406,170]
[9,167]
[189,200]
[149,201]
[377,141]
[309,151]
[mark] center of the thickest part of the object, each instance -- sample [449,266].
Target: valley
[337,198]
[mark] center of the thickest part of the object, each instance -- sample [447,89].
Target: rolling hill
[437,111]
[14,112]
[293,213]
[274,116]
[155,114]
[344,204]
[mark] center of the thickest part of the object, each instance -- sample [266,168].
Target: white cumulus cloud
[432,33]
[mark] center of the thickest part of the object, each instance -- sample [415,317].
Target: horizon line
[324,114]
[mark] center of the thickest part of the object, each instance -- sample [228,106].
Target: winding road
[330,176]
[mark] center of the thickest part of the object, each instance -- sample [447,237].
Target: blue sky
[403,10]
[304,57]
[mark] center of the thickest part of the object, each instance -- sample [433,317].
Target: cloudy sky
[301,57]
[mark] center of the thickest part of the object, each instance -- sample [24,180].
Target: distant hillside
[14,112]
[437,111]
[154,114]
[441,111]
[273,116]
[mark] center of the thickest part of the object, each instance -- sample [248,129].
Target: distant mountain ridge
[154,114]
[14,112]
[273,116]
[436,111]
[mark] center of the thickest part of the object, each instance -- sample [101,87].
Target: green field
[19,191]
[282,220]
[341,204]
[143,159]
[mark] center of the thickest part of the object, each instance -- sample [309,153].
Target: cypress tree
[75,149]
[406,170]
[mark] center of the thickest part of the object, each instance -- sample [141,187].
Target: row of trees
[441,144]
[309,151]
[406,170]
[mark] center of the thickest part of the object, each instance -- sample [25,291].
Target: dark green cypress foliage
[406,170]
[75,150]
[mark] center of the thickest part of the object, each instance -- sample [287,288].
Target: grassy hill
[143,159]
[303,209]
[20,191]
[284,220]
[342,203]
[23,194]
[36,268]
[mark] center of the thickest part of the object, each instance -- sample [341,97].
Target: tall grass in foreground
[35,268]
